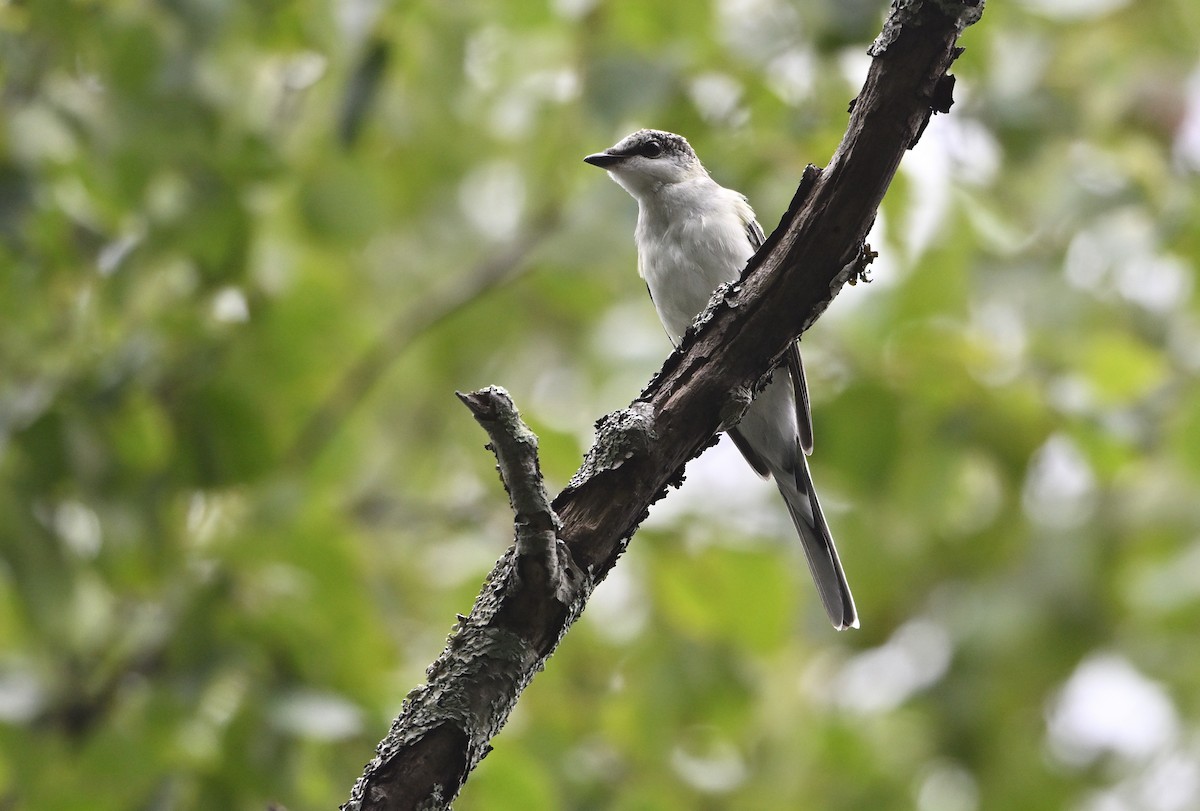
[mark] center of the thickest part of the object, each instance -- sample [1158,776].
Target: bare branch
[528,601]
[515,447]
[444,728]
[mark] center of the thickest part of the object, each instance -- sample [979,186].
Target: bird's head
[648,160]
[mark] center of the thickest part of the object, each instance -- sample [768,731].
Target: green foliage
[248,251]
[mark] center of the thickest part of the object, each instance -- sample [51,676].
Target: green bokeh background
[249,251]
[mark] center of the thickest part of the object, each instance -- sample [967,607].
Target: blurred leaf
[738,597]
[1120,367]
[211,211]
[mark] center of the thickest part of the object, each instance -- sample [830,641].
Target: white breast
[691,238]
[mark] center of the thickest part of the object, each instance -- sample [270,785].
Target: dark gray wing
[756,461]
[755,234]
[803,409]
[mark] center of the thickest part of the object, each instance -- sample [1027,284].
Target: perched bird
[693,235]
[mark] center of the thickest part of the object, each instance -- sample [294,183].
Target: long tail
[819,551]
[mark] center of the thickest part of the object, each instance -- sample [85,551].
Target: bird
[692,236]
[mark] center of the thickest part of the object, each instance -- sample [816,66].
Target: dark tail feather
[803,409]
[818,546]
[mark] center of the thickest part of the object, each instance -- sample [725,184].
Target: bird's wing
[754,233]
[752,456]
[803,409]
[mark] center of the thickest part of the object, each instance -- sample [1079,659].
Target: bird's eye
[652,149]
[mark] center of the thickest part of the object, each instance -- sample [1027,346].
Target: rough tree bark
[564,548]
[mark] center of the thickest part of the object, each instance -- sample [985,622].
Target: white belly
[684,263]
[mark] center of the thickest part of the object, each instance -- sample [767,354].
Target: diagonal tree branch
[785,287]
[522,612]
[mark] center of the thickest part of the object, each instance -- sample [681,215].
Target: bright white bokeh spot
[21,696]
[560,397]
[628,333]
[951,150]
[456,560]
[1187,136]
[110,257]
[790,75]
[1108,707]
[881,679]
[37,133]
[1071,394]
[316,714]
[1171,783]
[1098,171]
[79,528]
[946,786]
[1158,282]
[481,57]
[304,70]
[974,151]
[1122,254]
[516,76]
[714,766]
[573,9]
[1060,487]
[722,489]
[1020,62]
[758,30]
[555,84]
[1085,261]
[229,306]
[618,609]
[514,114]
[1168,783]
[492,199]
[1001,328]
[886,271]
[854,64]
[717,96]
[356,18]
[927,170]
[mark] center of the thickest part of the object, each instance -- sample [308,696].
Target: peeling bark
[564,548]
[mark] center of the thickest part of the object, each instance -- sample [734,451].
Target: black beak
[603,159]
